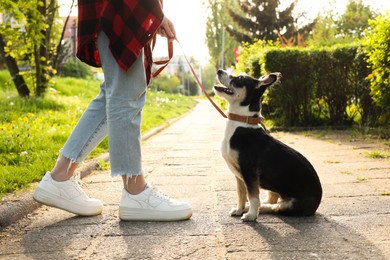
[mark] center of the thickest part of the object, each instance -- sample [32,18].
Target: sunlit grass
[33,130]
[378,154]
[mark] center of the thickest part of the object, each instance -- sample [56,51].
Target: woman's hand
[167,29]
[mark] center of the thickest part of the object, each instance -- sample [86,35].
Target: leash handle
[199,83]
[164,63]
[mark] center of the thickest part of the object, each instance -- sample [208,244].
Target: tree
[6,7]
[220,44]
[354,20]
[62,49]
[29,37]
[13,68]
[332,28]
[325,30]
[260,19]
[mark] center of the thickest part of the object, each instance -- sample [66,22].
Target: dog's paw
[249,217]
[236,212]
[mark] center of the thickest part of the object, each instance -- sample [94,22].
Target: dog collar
[246,119]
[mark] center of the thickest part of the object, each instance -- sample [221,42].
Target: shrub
[75,69]
[166,83]
[320,86]
[377,46]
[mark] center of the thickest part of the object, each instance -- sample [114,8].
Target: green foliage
[354,20]
[249,58]
[209,77]
[293,98]
[5,81]
[332,28]
[324,32]
[76,69]
[30,32]
[166,83]
[216,24]
[260,19]
[33,130]
[160,107]
[377,46]
[323,86]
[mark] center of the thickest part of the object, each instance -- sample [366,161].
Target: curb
[21,204]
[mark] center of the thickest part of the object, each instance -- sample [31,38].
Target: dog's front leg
[254,202]
[241,199]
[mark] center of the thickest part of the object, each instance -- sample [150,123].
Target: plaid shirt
[129,24]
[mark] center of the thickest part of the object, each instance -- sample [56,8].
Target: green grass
[377,154]
[33,130]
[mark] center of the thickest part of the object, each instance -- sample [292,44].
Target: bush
[165,83]
[377,46]
[75,69]
[320,86]
[293,99]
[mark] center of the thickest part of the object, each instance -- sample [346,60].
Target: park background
[334,58]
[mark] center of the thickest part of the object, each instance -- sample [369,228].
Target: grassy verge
[33,130]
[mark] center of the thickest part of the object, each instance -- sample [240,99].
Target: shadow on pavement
[312,237]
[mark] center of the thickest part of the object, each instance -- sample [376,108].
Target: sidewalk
[183,161]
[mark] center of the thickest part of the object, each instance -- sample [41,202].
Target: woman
[116,36]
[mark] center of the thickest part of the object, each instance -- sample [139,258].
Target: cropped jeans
[115,112]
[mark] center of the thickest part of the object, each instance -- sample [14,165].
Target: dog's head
[243,92]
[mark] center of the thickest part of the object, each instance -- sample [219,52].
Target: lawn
[33,130]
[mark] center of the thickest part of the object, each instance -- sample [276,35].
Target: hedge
[326,86]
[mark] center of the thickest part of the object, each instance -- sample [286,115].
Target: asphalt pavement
[183,161]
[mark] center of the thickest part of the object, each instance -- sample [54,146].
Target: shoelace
[77,184]
[158,194]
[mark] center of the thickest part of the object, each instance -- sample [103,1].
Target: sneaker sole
[49,199]
[128,214]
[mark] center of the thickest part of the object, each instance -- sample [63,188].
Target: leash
[245,119]
[200,83]
[165,63]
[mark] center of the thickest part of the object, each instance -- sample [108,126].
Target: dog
[260,161]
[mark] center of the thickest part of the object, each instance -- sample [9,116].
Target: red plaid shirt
[129,24]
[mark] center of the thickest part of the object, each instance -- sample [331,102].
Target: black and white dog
[260,161]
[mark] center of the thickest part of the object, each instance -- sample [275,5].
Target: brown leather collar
[246,119]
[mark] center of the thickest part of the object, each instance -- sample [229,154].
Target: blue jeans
[115,112]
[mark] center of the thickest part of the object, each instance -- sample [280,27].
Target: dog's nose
[220,72]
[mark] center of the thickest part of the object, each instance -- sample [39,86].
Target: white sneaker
[66,195]
[152,205]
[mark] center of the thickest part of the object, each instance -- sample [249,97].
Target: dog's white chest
[230,155]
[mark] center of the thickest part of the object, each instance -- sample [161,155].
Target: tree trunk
[41,58]
[13,69]
[59,46]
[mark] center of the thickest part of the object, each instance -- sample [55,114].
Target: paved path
[353,221]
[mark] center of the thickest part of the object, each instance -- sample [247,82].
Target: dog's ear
[268,80]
